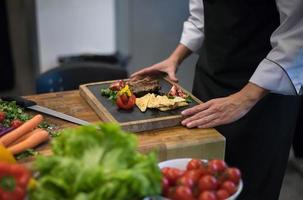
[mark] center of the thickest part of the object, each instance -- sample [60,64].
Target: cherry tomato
[124,98]
[185,181]
[165,186]
[195,175]
[126,105]
[222,194]
[207,195]
[194,164]
[229,186]
[208,182]
[2,116]
[217,165]
[183,193]
[165,170]
[16,123]
[173,174]
[204,169]
[171,192]
[233,174]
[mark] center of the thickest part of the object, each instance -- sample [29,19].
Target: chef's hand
[223,110]
[168,66]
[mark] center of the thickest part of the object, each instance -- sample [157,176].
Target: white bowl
[182,163]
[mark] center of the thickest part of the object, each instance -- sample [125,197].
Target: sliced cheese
[142,102]
[162,103]
[153,103]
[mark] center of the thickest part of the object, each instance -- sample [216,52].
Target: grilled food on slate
[141,87]
[145,93]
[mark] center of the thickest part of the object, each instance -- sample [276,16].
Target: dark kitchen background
[41,36]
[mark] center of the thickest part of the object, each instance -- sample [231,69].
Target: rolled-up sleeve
[282,70]
[193,29]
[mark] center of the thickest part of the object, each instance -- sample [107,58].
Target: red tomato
[183,193]
[229,186]
[207,195]
[205,169]
[2,116]
[124,98]
[165,170]
[185,181]
[208,182]
[173,174]
[194,164]
[126,104]
[195,175]
[171,192]
[222,194]
[165,186]
[16,123]
[233,174]
[217,165]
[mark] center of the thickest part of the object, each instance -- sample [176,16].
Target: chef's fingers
[198,115]
[202,121]
[172,76]
[211,124]
[196,109]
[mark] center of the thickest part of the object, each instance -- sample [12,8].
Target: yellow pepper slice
[125,90]
[6,156]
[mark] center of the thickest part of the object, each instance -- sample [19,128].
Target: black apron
[298,137]
[237,38]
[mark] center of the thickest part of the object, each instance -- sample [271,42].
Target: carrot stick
[25,136]
[21,130]
[31,142]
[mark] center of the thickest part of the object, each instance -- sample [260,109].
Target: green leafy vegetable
[96,162]
[110,94]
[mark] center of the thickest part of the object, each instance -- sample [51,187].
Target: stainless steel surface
[58,115]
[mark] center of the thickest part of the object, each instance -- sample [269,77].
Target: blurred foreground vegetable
[96,163]
[5,155]
[14,180]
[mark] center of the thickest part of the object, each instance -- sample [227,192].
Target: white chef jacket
[282,70]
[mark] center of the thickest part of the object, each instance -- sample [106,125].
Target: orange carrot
[21,130]
[25,136]
[31,142]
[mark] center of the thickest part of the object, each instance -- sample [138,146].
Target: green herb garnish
[27,153]
[189,99]
[13,111]
[110,94]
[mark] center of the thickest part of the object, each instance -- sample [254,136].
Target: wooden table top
[175,142]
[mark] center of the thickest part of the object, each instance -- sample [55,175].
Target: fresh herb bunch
[13,111]
[110,94]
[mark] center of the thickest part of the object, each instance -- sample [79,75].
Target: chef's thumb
[172,76]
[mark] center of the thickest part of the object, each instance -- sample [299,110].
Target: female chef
[248,74]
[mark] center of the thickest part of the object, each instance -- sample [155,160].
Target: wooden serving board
[133,120]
